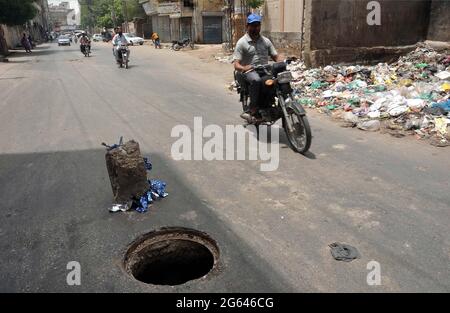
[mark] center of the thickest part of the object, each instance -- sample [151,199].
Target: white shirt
[119,40]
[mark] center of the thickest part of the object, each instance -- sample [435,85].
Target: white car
[63,40]
[133,39]
[97,37]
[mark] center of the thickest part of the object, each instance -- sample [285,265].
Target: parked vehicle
[97,37]
[276,101]
[133,39]
[64,40]
[107,37]
[177,45]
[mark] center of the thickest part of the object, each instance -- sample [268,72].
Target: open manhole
[171,256]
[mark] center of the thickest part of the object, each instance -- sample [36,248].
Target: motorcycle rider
[252,50]
[84,42]
[117,41]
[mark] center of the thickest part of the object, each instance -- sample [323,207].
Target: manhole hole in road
[171,256]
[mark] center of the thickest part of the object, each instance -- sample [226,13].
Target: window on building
[188,3]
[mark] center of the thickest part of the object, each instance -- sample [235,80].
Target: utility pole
[113,14]
[89,3]
[194,21]
[125,14]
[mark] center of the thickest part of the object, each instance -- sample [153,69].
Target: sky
[73,3]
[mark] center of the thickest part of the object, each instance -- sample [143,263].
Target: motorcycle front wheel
[300,137]
[176,47]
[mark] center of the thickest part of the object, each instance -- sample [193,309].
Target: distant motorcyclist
[85,42]
[118,40]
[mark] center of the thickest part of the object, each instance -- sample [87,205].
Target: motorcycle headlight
[269,82]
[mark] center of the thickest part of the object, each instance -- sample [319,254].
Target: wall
[439,28]
[211,8]
[282,23]
[282,16]
[12,34]
[286,42]
[271,16]
[337,30]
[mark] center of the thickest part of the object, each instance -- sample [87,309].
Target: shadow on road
[35,52]
[54,209]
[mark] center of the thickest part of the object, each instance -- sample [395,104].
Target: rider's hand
[247,68]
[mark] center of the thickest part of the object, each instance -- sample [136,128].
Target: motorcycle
[177,44]
[86,49]
[276,101]
[124,53]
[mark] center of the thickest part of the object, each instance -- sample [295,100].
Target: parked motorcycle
[178,44]
[124,53]
[276,101]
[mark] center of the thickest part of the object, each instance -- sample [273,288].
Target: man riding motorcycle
[118,40]
[252,50]
[84,42]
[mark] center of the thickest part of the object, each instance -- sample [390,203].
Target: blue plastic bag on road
[158,188]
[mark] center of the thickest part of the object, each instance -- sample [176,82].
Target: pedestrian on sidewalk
[156,40]
[25,43]
[30,39]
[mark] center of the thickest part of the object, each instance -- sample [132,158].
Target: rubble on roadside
[224,58]
[128,171]
[408,97]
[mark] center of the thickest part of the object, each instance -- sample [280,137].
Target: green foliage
[255,3]
[16,12]
[108,13]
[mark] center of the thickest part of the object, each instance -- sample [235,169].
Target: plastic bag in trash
[441,125]
[415,103]
[372,125]
[443,105]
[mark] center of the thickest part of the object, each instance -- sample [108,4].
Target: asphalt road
[387,197]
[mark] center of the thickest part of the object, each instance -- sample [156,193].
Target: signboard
[150,8]
[68,27]
[169,8]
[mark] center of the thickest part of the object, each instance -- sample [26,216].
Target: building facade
[283,23]
[203,20]
[37,27]
[62,17]
[335,31]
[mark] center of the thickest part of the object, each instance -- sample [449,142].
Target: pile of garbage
[408,97]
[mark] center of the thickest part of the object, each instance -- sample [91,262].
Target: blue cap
[253,18]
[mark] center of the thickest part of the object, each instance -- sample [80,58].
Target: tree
[108,13]
[15,12]
[254,4]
